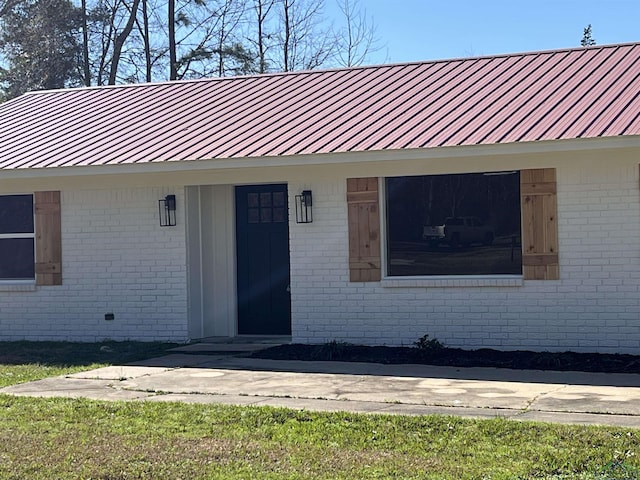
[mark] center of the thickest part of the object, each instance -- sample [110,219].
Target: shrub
[426,344]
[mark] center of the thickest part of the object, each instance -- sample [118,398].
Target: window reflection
[459,224]
[17,237]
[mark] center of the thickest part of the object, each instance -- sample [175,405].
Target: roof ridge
[333,69]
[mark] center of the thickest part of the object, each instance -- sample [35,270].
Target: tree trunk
[104,54]
[119,42]
[221,39]
[147,46]
[85,46]
[287,34]
[173,67]
[262,66]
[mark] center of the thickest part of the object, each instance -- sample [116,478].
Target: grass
[27,361]
[83,439]
[69,439]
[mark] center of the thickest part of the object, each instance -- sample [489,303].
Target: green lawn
[70,439]
[27,361]
[83,439]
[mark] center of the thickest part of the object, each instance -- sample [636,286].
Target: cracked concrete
[565,397]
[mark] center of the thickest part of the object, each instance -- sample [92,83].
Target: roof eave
[433,153]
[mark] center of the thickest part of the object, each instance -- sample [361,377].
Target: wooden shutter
[364,229]
[539,224]
[48,238]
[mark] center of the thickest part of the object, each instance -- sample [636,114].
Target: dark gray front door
[262,241]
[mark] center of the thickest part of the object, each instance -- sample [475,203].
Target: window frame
[539,231]
[464,280]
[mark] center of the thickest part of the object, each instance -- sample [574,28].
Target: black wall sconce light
[167,211]
[304,207]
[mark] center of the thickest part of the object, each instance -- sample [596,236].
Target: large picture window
[461,224]
[17,250]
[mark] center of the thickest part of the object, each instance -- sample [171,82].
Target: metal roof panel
[562,94]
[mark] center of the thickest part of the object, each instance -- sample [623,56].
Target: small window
[462,224]
[17,249]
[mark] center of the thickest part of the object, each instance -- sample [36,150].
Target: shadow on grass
[62,354]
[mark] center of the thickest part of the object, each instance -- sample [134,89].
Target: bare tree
[110,24]
[121,37]
[287,12]
[86,72]
[103,24]
[357,39]
[305,40]
[230,15]
[261,8]
[171,23]
[144,32]
[150,40]
[209,40]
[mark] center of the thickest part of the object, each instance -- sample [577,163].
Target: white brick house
[544,149]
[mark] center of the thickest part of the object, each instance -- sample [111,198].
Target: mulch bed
[456,357]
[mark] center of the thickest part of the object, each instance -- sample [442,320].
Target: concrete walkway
[564,397]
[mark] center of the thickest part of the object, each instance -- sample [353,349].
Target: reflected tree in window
[461,224]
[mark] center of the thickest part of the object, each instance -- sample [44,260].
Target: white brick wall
[116,259]
[594,307]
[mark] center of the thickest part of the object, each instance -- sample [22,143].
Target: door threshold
[248,339]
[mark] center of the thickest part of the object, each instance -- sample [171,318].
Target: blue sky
[415,30]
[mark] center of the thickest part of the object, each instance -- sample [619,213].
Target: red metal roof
[563,94]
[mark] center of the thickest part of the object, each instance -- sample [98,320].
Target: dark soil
[456,357]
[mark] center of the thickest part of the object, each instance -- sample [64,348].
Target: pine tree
[40,42]
[587,39]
